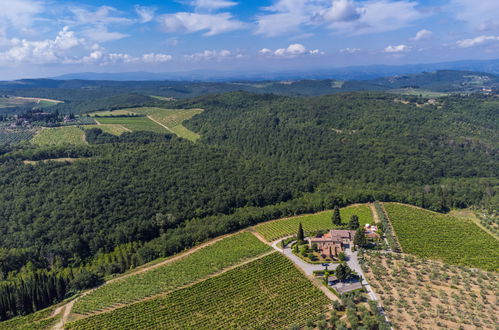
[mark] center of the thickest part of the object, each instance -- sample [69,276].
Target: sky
[45,38]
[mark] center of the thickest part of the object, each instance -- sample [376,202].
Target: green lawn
[453,240]
[206,261]
[60,136]
[273,230]
[133,123]
[268,293]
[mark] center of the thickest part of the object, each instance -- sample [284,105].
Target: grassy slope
[39,320]
[197,265]
[269,293]
[457,241]
[280,228]
[172,119]
[60,136]
[134,124]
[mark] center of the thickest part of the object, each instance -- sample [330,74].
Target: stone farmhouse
[332,243]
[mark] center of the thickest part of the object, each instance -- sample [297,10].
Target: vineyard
[39,320]
[15,136]
[60,136]
[269,293]
[114,129]
[280,228]
[206,261]
[431,235]
[172,119]
[133,123]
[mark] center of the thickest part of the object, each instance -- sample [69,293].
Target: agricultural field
[112,113]
[172,119]
[114,129]
[133,123]
[200,264]
[40,320]
[268,293]
[273,230]
[453,240]
[422,294]
[16,135]
[15,101]
[418,92]
[60,136]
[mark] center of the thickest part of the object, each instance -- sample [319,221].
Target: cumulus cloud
[344,16]
[422,35]
[466,43]
[396,49]
[210,55]
[292,50]
[42,52]
[341,11]
[193,22]
[213,4]
[146,14]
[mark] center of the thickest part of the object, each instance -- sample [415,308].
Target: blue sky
[49,37]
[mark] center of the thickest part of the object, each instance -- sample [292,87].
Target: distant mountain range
[343,73]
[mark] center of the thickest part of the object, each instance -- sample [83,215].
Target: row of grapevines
[15,136]
[280,228]
[206,261]
[269,293]
[39,320]
[438,236]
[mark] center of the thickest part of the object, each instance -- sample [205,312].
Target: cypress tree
[301,235]
[360,238]
[354,222]
[336,216]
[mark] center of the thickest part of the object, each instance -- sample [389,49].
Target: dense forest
[140,196]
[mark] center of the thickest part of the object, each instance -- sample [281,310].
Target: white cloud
[43,52]
[466,43]
[422,35]
[101,16]
[146,14]
[397,49]
[101,34]
[479,14]
[213,4]
[292,50]
[193,22]
[341,11]
[19,13]
[344,16]
[350,50]
[156,58]
[380,16]
[211,55]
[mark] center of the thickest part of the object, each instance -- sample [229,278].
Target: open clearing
[60,136]
[206,261]
[14,101]
[276,229]
[453,240]
[268,293]
[422,294]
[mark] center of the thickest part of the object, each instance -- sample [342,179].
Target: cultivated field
[200,264]
[15,101]
[268,293]
[16,135]
[110,113]
[133,123]
[172,119]
[60,136]
[453,240]
[39,320]
[114,129]
[273,230]
[422,294]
